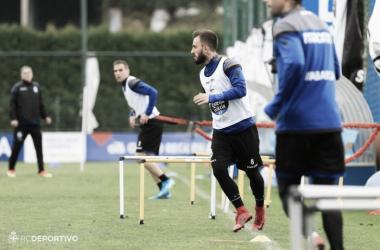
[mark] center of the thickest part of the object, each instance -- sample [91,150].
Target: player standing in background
[235,136]
[142,98]
[25,110]
[308,120]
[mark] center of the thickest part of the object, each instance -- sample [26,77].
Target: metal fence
[65,113]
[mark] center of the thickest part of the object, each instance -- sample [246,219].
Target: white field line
[273,245]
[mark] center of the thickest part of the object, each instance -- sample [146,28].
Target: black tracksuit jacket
[26,103]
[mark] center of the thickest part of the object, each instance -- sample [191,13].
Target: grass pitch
[82,209]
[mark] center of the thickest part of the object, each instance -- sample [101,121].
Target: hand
[48,120]
[14,123]
[132,122]
[201,98]
[144,119]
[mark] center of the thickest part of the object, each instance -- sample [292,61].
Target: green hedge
[175,77]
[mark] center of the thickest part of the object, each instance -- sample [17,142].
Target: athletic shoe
[164,192]
[318,242]
[154,197]
[167,195]
[11,173]
[45,174]
[259,219]
[166,186]
[242,217]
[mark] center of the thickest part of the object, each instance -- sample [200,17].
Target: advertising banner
[110,146]
[6,141]
[63,147]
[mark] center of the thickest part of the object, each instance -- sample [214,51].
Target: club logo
[12,238]
[219,108]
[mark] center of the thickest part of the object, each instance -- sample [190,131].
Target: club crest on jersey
[219,108]
[35,89]
[19,136]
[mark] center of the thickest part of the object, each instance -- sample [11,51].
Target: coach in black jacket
[26,110]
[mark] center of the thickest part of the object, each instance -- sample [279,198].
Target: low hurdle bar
[267,200]
[178,159]
[270,163]
[143,159]
[327,198]
[266,159]
[213,188]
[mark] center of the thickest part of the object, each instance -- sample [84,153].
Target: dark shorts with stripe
[150,136]
[241,148]
[318,155]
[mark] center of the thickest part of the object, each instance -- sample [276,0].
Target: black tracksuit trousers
[19,135]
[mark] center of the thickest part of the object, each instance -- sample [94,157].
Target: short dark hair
[25,67]
[121,62]
[207,37]
[298,1]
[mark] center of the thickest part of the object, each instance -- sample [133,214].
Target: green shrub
[175,76]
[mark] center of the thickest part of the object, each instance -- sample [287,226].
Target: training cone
[261,238]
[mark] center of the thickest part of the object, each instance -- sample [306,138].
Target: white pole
[84,128]
[24,13]
[213,196]
[223,201]
[142,191]
[295,216]
[121,180]
[84,80]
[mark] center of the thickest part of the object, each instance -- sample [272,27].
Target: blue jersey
[307,71]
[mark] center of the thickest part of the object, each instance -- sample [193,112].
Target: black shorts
[241,148]
[150,136]
[318,155]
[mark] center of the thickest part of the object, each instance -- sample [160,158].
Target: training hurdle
[270,162]
[225,204]
[166,159]
[241,174]
[267,201]
[325,198]
[179,159]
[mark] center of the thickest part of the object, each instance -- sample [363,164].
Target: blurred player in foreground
[308,120]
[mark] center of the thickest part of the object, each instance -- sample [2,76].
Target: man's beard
[201,59]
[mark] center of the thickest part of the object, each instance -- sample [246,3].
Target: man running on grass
[142,98]
[235,137]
